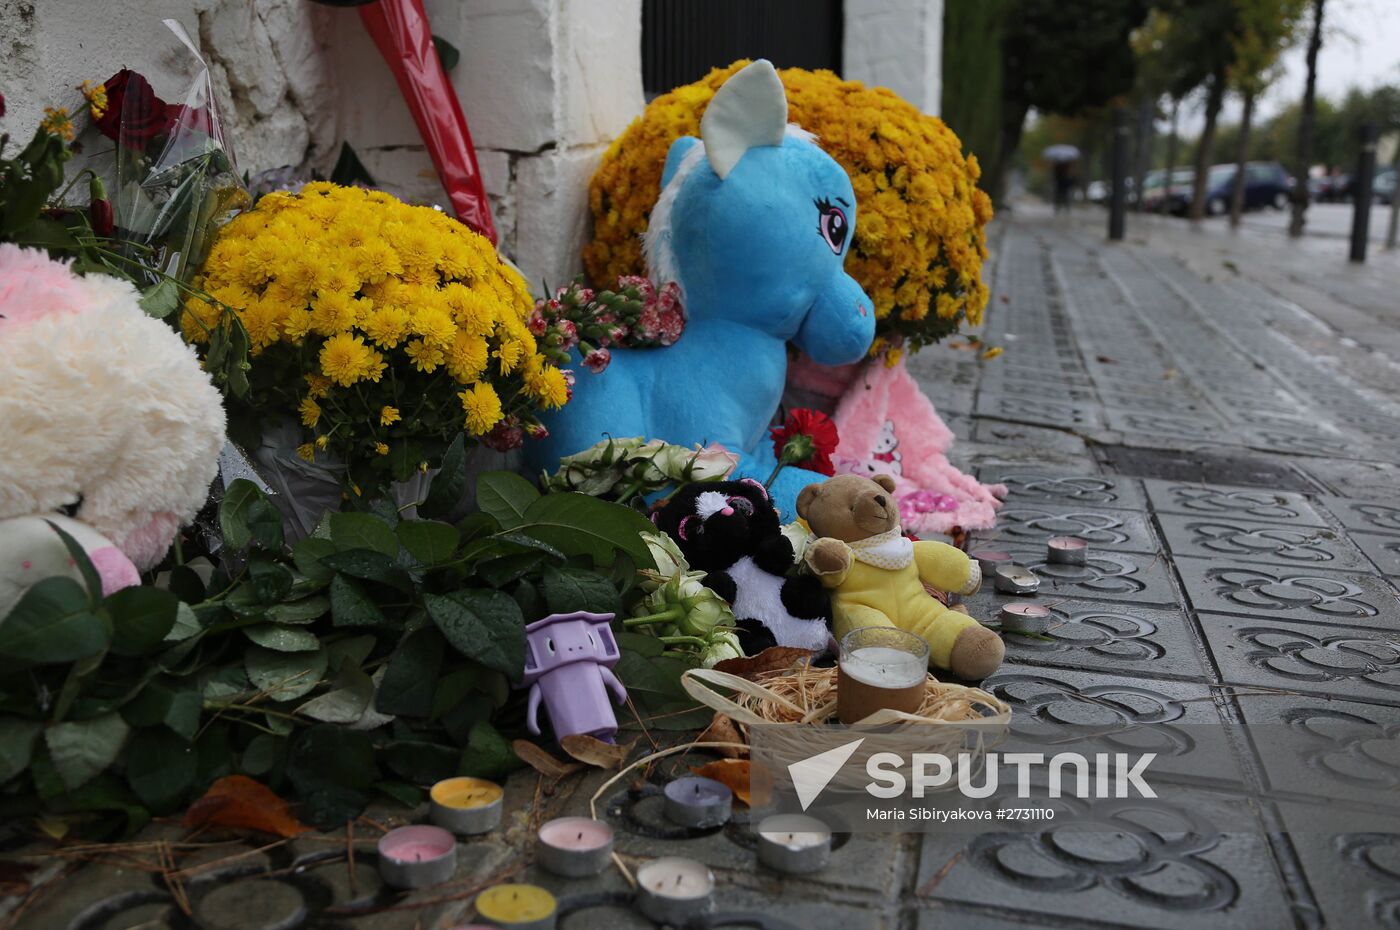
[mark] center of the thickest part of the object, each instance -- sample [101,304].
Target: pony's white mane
[657,247]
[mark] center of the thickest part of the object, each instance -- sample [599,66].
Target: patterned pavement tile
[1272,543]
[1363,665]
[1354,876]
[1023,524]
[1320,748]
[1179,873]
[1141,579]
[1120,637]
[1365,516]
[1339,599]
[1383,551]
[1043,410]
[1025,437]
[1212,500]
[1048,486]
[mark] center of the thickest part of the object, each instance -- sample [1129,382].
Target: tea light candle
[990,559]
[575,846]
[1025,618]
[1015,579]
[518,907]
[466,805]
[674,890]
[417,856]
[880,668]
[1067,550]
[698,802]
[794,843]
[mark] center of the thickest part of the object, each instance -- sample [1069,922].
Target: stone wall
[545,85]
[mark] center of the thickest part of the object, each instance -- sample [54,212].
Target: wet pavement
[1240,487]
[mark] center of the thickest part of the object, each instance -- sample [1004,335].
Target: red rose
[807,438]
[135,115]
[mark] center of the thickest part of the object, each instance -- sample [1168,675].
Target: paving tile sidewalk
[1240,491]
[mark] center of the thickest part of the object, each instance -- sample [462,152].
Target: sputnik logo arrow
[811,776]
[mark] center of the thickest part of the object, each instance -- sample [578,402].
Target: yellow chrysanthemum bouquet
[386,329]
[919,241]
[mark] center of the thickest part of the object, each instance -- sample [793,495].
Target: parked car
[1266,184]
[1096,192]
[1383,187]
[1159,197]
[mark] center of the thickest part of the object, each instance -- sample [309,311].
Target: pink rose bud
[537,431]
[597,360]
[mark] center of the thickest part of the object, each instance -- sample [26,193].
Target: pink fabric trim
[888,426]
[115,569]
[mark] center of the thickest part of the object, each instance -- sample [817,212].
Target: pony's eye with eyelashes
[832,224]
[742,504]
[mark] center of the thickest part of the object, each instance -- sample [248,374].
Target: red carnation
[806,438]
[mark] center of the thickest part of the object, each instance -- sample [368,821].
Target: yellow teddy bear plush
[877,574]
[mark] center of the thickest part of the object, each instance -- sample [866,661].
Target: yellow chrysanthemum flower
[425,357]
[388,416]
[483,407]
[310,411]
[346,359]
[57,123]
[307,451]
[381,449]
[322,442]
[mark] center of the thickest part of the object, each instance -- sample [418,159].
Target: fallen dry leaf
[723,730]
[772,659]
[594,751]
[543,761]
[732,773]
[238,802]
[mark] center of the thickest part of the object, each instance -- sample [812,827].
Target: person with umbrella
[1063,159]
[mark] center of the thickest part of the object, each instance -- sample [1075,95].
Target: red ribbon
[400,30]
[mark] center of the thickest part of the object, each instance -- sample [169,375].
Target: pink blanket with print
[888,426]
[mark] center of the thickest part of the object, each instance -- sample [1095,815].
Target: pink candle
[575,847]
[1024,618]
[989,559]
[1067,550]
[417,856]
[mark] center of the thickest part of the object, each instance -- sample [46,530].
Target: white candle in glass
[881,668]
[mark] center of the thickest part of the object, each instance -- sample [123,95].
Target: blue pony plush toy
[753,222]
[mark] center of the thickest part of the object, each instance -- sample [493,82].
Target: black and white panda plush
[730,531]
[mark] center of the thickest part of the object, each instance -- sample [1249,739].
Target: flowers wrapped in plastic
[621,469]
[692,620]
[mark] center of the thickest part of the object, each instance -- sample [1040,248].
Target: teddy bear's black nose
[880,499]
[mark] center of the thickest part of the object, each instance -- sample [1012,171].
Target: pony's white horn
[749,110]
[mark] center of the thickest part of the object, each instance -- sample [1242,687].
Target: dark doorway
[683,39]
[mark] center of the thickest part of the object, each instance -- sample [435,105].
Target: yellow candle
[517,906]
[466,792]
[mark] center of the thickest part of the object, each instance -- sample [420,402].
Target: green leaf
[91,579]
[160,767]
[271,582]
[363,531]
[483,625]
[487,754]
[141,619]
[81,749]
[260,754]
[17,738]
[350,606]
[285,676]
[333,769]
[297,612]
[407,795]
[307,555]
[349,170]
[354,648]
[411,678]
[371,566]
[640,643]
[580,525]
[160,300]
[347,703]
[505,496]
[186,624]
[447,53]
[421,762]
[282,638]
[476,525]
[52,623]
[246,516]
[449,483]
[569,589]
[660,675]
[428,541]
[500,572]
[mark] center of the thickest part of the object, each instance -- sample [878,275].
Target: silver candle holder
[794,843]
[1025,618]
[574,847]
[1015,579]
[673,891]
[695,801]
[1067,550]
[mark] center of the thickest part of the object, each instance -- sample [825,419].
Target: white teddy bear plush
[106,417]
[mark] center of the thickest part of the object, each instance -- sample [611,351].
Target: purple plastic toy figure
[568,663]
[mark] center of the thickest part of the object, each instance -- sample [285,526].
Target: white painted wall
[545,85]
[896,44]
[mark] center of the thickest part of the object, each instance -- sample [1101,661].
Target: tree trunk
[1147,110]
[1013,119]
[1306,120]
[1241,157]
[1171,156]
[1214,99]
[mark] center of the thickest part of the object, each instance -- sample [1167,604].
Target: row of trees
[1079,57]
